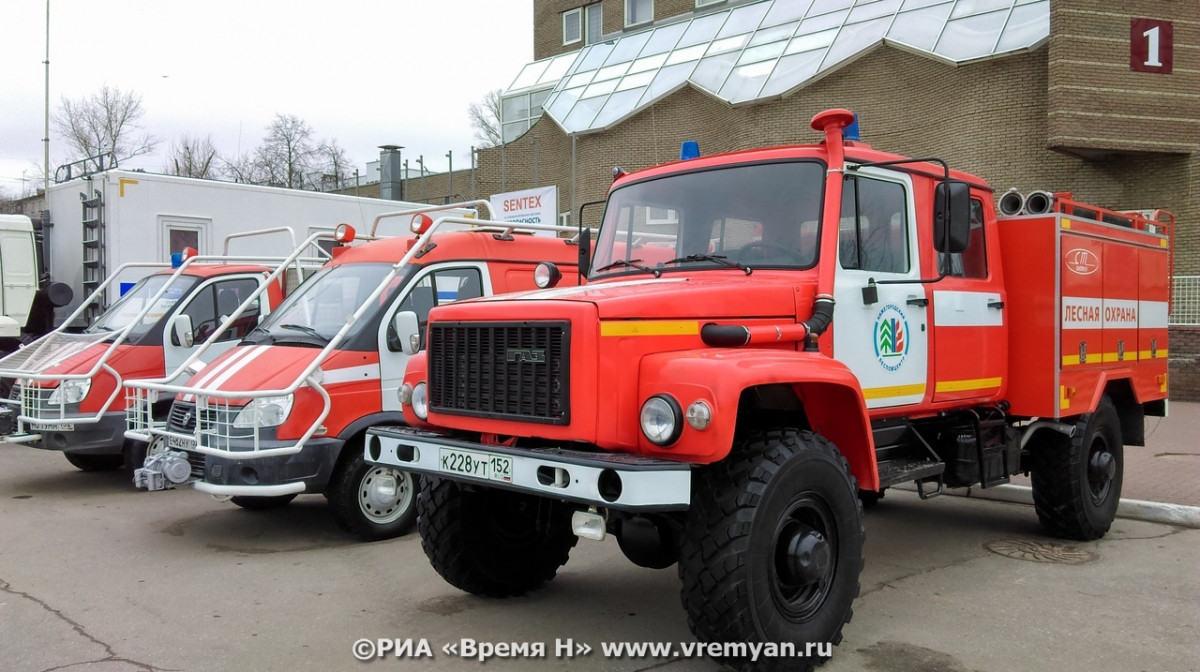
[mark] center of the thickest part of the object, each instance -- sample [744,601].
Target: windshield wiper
[306,329]
[718,258]
[632,263]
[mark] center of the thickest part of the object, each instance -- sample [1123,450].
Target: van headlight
[661,420]
[70,391]
[264,412]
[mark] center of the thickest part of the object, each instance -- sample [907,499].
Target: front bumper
[610,480]
[105,437]
[306,471]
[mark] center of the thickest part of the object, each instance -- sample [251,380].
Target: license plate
[478,465]
[181,444]
[53,427]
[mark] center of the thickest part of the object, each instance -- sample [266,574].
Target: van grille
[507,370]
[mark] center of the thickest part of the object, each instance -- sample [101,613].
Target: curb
[1134,509]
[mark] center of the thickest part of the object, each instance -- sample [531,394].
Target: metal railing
[1185,301]
[215,408]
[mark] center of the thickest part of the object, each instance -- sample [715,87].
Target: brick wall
[1184,375]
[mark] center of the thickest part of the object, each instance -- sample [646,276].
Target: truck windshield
[131,303]
[763,215]
[319,307]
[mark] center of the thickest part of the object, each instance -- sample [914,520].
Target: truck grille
[182,418]
[508,370]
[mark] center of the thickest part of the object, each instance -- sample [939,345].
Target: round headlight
[699,415]
[661,420]
[420,401]
[546,275]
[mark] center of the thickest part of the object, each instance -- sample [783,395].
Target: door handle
[918,301]
[996,304]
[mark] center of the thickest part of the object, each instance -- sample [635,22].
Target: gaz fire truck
[764,336]
[66,386]
[285,412]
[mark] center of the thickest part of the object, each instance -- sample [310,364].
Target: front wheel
[88,462]
[1077,480]
[371,501]
[772,549]
[492,542]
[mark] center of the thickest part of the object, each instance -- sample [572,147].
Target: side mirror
[408,330]
[951,216]
[585,252]
[181,330]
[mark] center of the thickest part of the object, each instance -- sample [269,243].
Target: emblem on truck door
[1082,261]
[526,355]
[891,337]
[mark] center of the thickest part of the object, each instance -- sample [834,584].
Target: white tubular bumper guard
[610,480]
[249,490]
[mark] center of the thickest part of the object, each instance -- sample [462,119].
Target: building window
[572,25]
[638,11]
[520,111]
[707,3]
[593,23]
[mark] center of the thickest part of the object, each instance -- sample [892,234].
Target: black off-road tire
[88,462]
[1077,480]
[777,490]
[492,542]
[257,503]
[358,507]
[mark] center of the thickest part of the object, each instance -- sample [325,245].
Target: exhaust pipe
[1039,202]
[1011,203]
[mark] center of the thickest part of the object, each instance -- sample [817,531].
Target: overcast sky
[364,72]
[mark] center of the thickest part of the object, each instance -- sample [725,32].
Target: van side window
[218,300]
[442,286]
[873,234]
[971,263]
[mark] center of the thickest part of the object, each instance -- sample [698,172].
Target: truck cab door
[431,287]
[881,337]
[207,305]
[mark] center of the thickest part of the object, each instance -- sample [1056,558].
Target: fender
[360,425]
[830,394]
[415,372]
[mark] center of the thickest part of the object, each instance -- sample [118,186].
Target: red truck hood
[250,368]
[131,361]
[714,294]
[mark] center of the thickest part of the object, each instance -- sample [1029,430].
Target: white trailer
[106,219]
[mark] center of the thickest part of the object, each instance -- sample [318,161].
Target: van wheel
[88,462]
[256,503]
[372,501]
[1077,480]
[492,542]
[772,547]
[134,453]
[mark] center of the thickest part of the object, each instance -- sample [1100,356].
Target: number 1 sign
[1151,46]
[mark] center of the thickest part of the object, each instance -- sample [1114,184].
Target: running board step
[921,471]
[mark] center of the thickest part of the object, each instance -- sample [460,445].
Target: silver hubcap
[384,494]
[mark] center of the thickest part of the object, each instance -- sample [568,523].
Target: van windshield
[127,309]
[319,307]
[747,216]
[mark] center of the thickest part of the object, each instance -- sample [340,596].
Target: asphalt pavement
[97,576]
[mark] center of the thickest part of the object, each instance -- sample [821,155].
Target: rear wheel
[372,501]
[256,503]
[492,542]
[88,462]
[773,547]
[1077,480]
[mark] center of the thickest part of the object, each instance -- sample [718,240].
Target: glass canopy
[755,52]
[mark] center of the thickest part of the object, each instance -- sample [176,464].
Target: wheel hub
[1102,469]
[806,558]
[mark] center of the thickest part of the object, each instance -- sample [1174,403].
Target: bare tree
[332,165]
[287,154]
[485,119]
[241,168]
[106,121]
[192,156]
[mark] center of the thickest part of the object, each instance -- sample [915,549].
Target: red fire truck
[764,336]
[285,412]
[67,392]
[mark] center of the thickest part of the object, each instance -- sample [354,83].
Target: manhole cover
[1040,551]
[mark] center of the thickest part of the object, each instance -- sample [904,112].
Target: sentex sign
[536,206]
